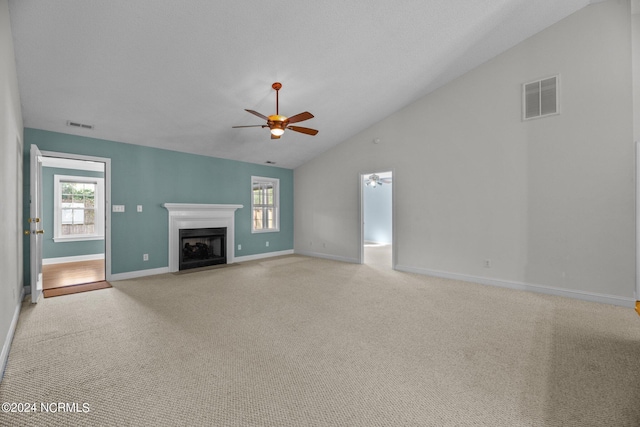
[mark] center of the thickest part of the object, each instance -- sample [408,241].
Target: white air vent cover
[79,125]
[540,98]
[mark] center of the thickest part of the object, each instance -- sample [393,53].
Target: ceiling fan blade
[250,126]
[255,113]
[301,117]
[275,136]
[300,129]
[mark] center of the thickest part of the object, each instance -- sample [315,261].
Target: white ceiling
[178,74]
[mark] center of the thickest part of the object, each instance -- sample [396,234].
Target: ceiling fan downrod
[277,86]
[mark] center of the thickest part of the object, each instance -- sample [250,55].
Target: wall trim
[163,270]
[327,256]
[138,273]
[77,258]
[65,163]
[4,356]
[263,255]
[521,286]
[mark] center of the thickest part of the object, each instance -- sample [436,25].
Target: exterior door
[35,223]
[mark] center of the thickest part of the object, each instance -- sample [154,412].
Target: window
[540,98]
[78,208]
[265,204]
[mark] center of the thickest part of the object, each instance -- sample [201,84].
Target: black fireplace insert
[202,247]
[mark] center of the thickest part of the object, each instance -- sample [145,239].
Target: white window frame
[275,182]
[524,98]
[99,208]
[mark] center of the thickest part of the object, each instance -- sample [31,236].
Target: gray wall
[549,201]
[10,186]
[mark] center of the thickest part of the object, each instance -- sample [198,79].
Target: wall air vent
[540,98]
[79,125]
[269,162]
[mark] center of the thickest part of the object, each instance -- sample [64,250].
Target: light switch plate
[117,208]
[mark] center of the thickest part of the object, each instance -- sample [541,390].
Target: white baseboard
[4,356]
[163,270]
[327,256]
[541,289]
[261,256]
[138,273]
[77,258]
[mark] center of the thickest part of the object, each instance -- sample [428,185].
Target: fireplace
[183,216]
[202,247]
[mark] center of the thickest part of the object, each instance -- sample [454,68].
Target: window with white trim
[265,204]
[78,208]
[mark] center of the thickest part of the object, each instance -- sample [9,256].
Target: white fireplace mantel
[195,215]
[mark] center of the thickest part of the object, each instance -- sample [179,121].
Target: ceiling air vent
[540,98]
[79,125]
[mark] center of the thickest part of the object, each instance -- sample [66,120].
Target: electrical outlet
[145,257]
[239,247]
[267,243]
[487,263]
[139,208]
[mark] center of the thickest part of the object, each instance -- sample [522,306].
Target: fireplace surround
[183,216]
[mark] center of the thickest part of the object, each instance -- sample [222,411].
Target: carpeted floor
[296,341]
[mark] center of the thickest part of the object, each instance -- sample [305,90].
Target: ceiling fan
[277,123]
[375,180]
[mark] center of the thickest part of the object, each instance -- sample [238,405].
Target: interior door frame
[394,239]
[107,200]
[637,290]
[35,222]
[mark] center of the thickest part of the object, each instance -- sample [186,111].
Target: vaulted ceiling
[178,74]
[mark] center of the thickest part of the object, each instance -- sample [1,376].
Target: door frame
[107,199]
[35,221]
[637,290]
[394,239]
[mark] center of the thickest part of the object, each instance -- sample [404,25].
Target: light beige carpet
[297,341]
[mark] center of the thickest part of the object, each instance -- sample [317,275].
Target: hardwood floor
[74,289]
[72,273]
[378,255]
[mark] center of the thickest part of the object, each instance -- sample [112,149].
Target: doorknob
[34,219]
[27,232]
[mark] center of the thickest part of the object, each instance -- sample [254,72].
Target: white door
[35,223]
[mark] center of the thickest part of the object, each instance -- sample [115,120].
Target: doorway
[377,219]
[74,200]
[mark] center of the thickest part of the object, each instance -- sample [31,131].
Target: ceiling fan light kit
[277,123]
[374,180]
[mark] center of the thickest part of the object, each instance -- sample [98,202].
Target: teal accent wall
[51,249]
[150,177]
